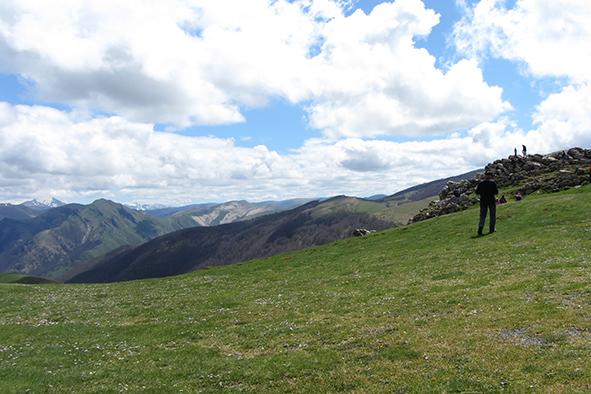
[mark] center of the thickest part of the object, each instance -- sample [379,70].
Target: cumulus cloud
[372,80]
[56,151]
[197,62]
[50,153]
[549,40]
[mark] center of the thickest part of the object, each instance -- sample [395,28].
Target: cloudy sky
[188,101]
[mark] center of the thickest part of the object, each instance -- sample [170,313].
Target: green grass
[20,278]
[426,308]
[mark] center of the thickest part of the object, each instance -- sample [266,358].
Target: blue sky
[188,101]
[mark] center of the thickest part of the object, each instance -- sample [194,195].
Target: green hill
[425,308]
[62,238]
[23,279]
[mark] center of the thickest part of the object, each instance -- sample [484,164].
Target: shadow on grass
[483,235]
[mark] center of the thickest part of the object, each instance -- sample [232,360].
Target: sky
[179,102]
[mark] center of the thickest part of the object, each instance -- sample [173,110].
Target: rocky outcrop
[533,173]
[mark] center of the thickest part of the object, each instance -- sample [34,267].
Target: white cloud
[54,151]
[49,153]
[193,62]
[370,80]
[198,62]
[551,38]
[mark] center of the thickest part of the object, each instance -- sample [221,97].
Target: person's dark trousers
[492,207]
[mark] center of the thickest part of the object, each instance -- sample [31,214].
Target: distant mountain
[285,204]
[295,202]
[38,240]
[229,212]
[28,209]
[427,190]
[17,212]
[146,207]
[62,238]
[187,250]
[376,197]
[164,212]
[44,205]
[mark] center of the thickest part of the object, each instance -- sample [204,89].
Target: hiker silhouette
[487,189]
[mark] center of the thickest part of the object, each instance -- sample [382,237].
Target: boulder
[360,232]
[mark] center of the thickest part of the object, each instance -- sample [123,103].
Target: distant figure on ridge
[515,151]
[487,189]
[524,151]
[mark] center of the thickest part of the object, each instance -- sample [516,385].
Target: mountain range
[59,239]
[28,209]
[313,224]
[63,242]
[195,248]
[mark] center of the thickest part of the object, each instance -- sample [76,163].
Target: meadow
[424,308]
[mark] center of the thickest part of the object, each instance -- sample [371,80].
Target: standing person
[515,151]
[524,151]
[487,189]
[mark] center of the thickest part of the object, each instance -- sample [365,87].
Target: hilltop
[423,308]
[23,279]
[516,175]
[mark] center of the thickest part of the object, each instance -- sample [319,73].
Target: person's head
[488,175]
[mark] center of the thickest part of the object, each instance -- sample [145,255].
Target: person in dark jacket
[487,189]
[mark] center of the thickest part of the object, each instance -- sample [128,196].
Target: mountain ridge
[61,238]
[50,247]
[195,248]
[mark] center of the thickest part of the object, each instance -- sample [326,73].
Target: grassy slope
[422,308]
[24,279]
[394,211]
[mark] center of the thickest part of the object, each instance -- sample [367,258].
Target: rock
[576,153]
[360,232]
[449,208]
